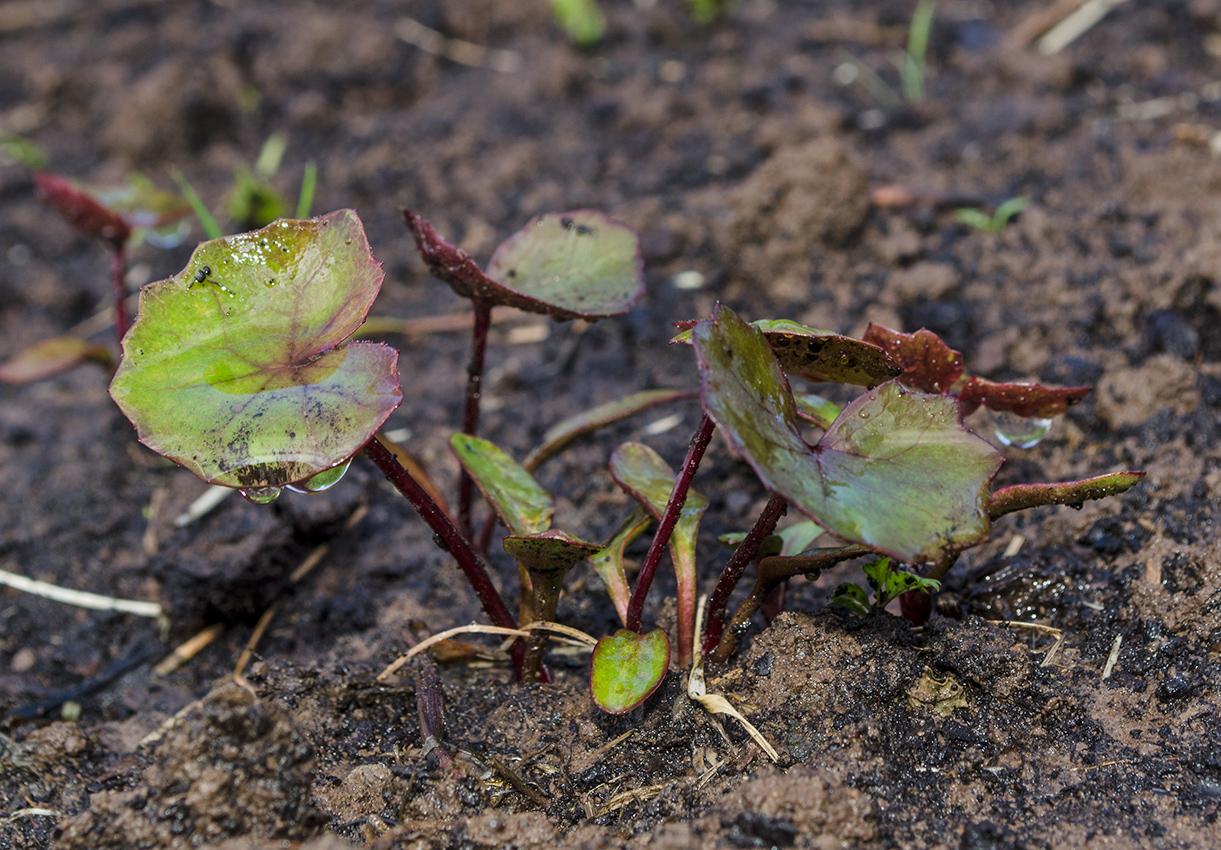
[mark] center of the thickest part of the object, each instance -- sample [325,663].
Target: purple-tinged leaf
[51,357]
[608,563]
[563,433]
[1021,496]
[626,668]
[931,365]
[80,207]
[549,551]
[928,364]
[1020,399]
[896,471]
[577,265]
[820,356]
[647,478]
[521,502]
[237,368]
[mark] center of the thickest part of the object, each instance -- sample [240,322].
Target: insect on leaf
[239,368]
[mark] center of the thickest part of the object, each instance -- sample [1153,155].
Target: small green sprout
[996,222]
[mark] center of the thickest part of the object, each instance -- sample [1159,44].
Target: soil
[747,164]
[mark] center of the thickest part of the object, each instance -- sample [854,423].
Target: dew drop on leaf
[1018,431]
[260,495]
[321,482]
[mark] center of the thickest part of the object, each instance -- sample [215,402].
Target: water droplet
[1018,431]
[324,480]
[260,495]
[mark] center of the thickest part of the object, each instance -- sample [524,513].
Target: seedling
[581,19]
[114,215]
[243,369]
[577,265]
[996,222]
[910,63]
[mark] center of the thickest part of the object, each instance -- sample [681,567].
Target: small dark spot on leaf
[567,223]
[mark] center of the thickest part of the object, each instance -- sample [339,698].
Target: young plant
[114,215]
[996,222]
[242,369]
[581,19]
[575,265]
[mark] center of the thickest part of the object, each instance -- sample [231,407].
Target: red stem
[470,412]
[695,452]
[449,539]
[743,555]
[118,274]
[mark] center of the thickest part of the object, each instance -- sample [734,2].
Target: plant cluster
[244,369]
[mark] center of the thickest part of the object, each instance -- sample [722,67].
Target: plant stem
[449,539]
[118,274]
[430,704]
[743,555]
[695,453]
[470,412]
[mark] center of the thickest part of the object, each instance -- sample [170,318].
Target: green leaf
[521,502]
[237,368]
[565,432]
[626,668]
[581,19]
[889,583]
[649,479]
[896,471]
[582,264]
[575,265]
[851,597]
[822,412]
[608,563]
[549,551]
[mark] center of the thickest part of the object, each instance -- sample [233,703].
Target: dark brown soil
[736,154]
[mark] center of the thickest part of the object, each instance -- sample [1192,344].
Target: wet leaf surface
[626,668]
[896,471]
[236,368]
[575,265]
[520,501]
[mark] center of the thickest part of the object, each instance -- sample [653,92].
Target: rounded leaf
[580,264]
[626,668]
[236,367]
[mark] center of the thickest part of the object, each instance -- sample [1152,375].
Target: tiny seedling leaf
[896,471]
[851,597]
[642,473]
[626,668]
[237,368]
[608,563]
[889,583]
[521,502]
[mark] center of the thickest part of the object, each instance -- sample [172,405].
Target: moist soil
[750,161]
